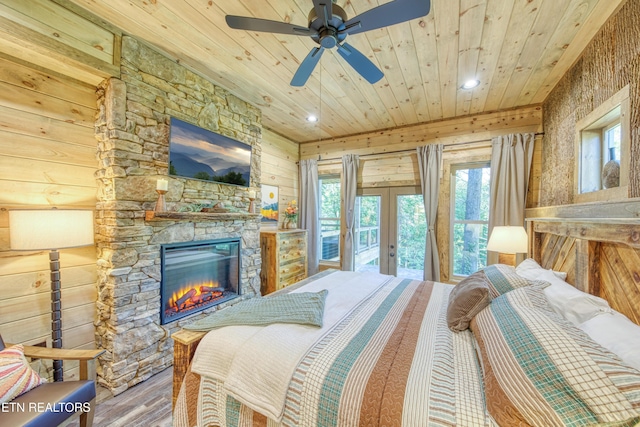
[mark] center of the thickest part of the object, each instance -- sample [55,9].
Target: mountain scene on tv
[201,154]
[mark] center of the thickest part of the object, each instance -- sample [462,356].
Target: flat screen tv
[198,153]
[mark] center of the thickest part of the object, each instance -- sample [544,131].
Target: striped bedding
[541,370]
[389,360]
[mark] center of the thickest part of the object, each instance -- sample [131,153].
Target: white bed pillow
[615,332]
[572,304]
[530,269]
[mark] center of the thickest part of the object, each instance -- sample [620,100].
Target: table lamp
[54,229]
[508,241]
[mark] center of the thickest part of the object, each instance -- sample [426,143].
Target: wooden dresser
[284,258]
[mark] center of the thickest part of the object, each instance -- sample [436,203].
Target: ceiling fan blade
[306,68]
[391,13]
[265,25]
[360,63]
[323,10]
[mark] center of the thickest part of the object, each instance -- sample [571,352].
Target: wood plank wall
[60,36]
[388,158]
[280,168]
[47,159]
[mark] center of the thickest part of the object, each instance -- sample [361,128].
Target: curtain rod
[456,144]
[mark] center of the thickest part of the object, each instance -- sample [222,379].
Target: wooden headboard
[601,256]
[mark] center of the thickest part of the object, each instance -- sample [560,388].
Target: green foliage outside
[470,229]
[411,221]
[369,211]
[368,221]
[330,198]
[330,218]
[412,232]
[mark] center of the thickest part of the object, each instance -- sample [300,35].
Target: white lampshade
[50,229]
[508,240]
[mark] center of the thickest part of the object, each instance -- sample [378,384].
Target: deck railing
[366,238]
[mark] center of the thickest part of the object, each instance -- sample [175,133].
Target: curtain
[429,161]
[350,163]
[309,211]
[511,157]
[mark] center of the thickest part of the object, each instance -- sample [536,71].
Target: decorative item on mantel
[251,194]
[291,215]
[162,187]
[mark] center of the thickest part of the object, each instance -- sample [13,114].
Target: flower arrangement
[291,212]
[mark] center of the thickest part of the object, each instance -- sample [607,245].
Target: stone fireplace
[132,129]
[197,276]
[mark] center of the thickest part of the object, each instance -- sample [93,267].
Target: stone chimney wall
[132,129]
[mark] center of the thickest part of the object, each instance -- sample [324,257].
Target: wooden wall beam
[610,230]
[629,208]
[460,130]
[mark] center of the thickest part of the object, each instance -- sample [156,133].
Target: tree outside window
[330,217]
[470,217]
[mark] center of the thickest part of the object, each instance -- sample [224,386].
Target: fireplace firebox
[197,276]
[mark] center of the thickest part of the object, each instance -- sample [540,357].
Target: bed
[389,356]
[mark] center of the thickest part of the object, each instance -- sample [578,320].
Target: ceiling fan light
[311,118]
[470,84]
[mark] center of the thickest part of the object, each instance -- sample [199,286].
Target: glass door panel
[390,231]
[367,232]
[410,234]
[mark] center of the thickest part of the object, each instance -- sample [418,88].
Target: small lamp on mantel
[31,230]
[508,241]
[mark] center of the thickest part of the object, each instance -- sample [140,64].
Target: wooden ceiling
[518,49]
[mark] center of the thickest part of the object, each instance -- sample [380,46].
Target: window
[470,189]
[612,138]
[602,145]
[600,152]
[330,218]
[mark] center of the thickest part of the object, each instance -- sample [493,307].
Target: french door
[390,231]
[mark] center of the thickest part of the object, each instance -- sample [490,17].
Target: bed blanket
[386,357]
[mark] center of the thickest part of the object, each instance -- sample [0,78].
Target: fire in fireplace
[197,276]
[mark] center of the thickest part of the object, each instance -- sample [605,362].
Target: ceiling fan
[329,27]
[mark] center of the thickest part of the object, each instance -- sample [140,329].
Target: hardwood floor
[147,404]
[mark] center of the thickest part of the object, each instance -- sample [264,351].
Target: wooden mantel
[199,216]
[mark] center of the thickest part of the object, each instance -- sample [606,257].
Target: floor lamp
[508,241]
[54,229]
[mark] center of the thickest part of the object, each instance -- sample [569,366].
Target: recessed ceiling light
[312,118]
[470,84]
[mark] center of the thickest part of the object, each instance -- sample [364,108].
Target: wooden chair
[55,402]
